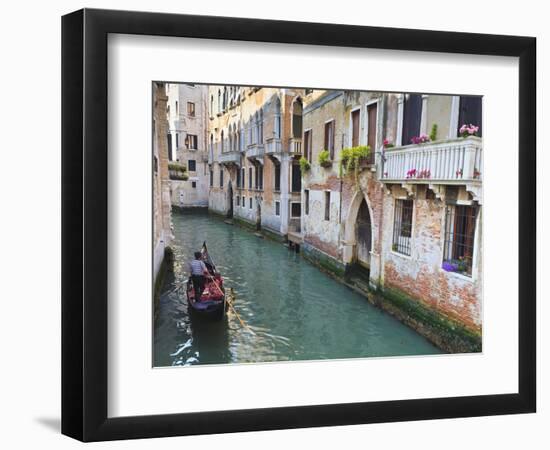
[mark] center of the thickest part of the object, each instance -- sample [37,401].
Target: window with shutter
[355,121]
[307,145]
[412,112]
[469,112]
[329,138]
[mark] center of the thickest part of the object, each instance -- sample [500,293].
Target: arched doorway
[230,201]
[363,235]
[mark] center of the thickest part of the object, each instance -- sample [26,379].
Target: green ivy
[350,159]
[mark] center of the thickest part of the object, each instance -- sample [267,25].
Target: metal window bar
[460,223]
[402,227]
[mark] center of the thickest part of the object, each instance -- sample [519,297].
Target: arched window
[224,98]
[261,127]
[219,101]
[277,119]
[297,118]
[211,105]
[256,128]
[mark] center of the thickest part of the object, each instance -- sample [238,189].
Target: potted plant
[324,159]
[305,166]
[387,143]
[422,139]
[433,133]
[468,130]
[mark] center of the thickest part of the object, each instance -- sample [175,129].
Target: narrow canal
[295,311]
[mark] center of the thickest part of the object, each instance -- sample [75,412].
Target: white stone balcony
[230,158]
[452,161]
[295,146]
[273,146]
[255,152]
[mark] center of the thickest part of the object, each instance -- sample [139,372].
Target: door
[230,200]
[363,235]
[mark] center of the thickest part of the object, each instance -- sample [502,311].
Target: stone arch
[350,229]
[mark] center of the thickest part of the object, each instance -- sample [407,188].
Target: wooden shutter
[307,146]
[329,138]
[355,124]
[412,112]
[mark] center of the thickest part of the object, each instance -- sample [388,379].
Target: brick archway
[350,230]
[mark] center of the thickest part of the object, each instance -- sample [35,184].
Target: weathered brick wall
[420,276]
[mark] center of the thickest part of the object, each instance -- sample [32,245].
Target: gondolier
[198,273]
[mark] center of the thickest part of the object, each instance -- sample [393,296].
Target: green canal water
[292,310]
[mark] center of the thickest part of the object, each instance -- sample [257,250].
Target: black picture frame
[84,224]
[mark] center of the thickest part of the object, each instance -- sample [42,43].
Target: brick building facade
[409,218]
[187,112]
[254,146]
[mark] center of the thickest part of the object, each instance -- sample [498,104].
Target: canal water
[292,310]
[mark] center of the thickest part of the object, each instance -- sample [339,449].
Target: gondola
[212,303]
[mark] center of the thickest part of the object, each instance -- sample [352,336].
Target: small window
[327,205]
[277,177]
[177,109]
[295,209]
[250,202]
[191,141]
[238,200]
[191,109]
[277,208]
[194,184]
[177,140]
[306,201]
[402,226]
[460,225]
[250,178]
[243,201]
[329,138]
[211,178]
[221,177]
[192,165]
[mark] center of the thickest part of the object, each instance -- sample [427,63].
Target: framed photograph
[273,224]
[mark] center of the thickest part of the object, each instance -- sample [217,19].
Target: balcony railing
[273,146]
[255,151]
[443,161]
[230,158]
[295,147]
